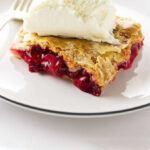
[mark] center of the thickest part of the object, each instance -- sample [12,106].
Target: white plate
[130,91]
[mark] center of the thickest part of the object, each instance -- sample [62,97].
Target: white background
[24,130]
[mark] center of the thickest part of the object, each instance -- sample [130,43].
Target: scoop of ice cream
[84,19]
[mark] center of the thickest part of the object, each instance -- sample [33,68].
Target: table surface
[25,130]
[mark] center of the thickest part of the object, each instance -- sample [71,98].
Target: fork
[17,11]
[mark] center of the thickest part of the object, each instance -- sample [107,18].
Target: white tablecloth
[25,130]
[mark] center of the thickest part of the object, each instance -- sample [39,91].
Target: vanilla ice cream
[84,19]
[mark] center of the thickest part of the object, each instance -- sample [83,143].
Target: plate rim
[74,114]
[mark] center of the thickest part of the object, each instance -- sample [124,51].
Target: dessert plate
[48,94]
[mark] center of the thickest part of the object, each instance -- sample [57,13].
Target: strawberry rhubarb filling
[45,60]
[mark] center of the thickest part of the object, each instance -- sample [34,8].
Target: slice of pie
[90,65]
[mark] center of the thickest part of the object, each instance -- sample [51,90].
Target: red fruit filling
[45,60]
[134,52]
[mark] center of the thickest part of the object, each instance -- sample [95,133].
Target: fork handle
[4,19]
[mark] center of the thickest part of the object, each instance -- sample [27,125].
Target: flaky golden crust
[99,59]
